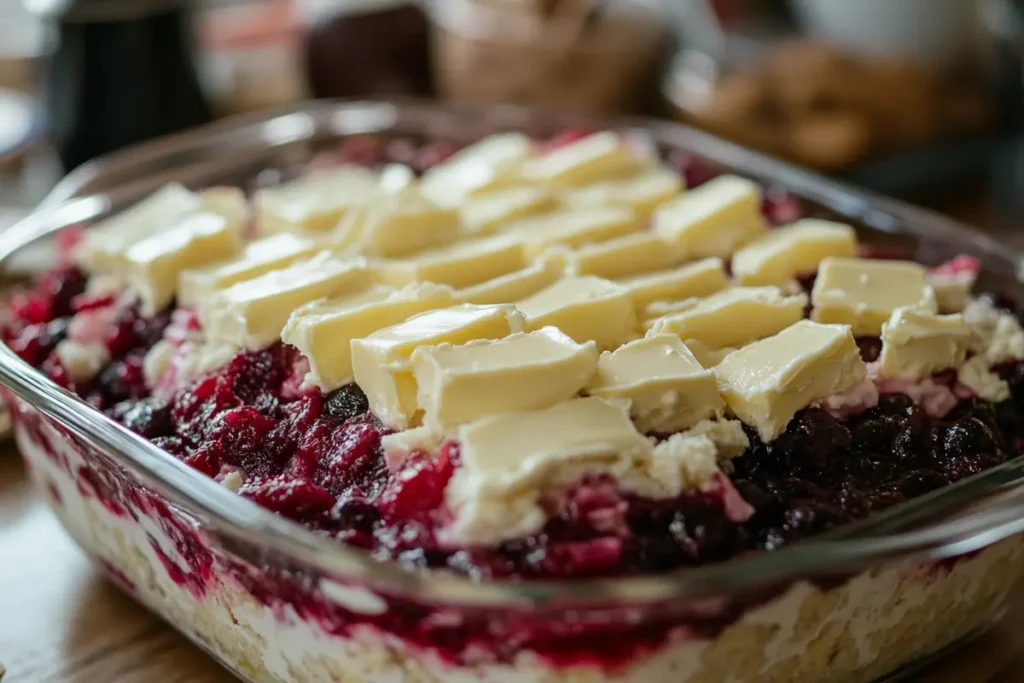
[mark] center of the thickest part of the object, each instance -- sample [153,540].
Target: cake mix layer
[855,631]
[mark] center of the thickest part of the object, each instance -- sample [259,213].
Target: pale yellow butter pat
[396,178]
[395,225]
[572,229]
[380,361]
[917,344]
[257,258]
[252,313]
[714,219]
[516,463]
[863,293]
[643,192]
[668,389]
[517,285]
[314,203]
[623,256]
[707,357]
[600,156]
[585,308]
[766,383]
[512,462]
[462,264]
[106,241]
[785,252]
[952,290]
[733,317]
[152,265]
[487,165]
[229,202]
[486,213]
[534,370]
[323,330]
[399,446]
[697,279]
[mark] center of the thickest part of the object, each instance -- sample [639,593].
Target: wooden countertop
[61,622]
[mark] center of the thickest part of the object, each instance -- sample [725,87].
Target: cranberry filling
[317,458]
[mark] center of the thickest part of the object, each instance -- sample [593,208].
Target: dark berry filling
[317,459]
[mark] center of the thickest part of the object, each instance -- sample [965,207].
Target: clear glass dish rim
[880,538]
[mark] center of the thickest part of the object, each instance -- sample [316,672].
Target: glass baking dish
[272,601]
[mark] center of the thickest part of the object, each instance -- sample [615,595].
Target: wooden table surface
[62,622]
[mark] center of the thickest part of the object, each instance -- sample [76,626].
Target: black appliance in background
[119,72]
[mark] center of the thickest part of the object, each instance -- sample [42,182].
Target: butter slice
[399,446]
[623,256]
[734,317]
[380,361]
[517,285]
[462,264]
[785,252]
[534,370]
[684,282]
[643,192]
[952,290]
[323,330]
[917,344]
[252,313]
[314,203]
[484,214]
[394,225]
[486,165]
[585,308]
[596,157]
[572,228]
[104,242]
[511,462]
[258,257]
[668,389]
[713,219]
[397,178]
[766,383]
[864,293]
[152,265]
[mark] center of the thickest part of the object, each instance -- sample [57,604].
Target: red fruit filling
[317,458]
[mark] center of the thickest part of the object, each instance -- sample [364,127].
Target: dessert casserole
[520,362]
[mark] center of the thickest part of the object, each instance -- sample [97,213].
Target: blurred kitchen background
[922,99]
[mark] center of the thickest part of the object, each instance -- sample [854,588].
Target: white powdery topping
[997,334]
[92,326]
[685,462]
[167,366]
[231,480]
[295,385]
[82,360]
[977,377]
[853,401]
[156,362]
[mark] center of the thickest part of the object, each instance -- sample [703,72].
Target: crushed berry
[317,458]
[347,402]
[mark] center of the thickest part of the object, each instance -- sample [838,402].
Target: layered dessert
[524,361]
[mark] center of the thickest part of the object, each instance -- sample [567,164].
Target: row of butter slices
[482,302]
